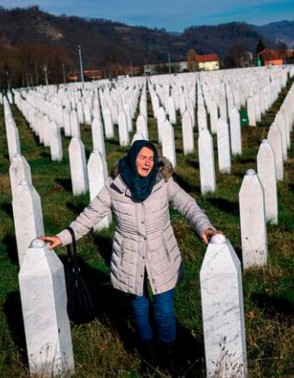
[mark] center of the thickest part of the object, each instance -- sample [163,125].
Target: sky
[172,15]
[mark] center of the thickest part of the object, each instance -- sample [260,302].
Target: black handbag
[80,307]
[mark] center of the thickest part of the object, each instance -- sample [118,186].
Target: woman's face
[145,161]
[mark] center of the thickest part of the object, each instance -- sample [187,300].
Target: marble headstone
[223,311]
[43,299]
[223,146]
[206,162]
[275,138]
[27,215]
[267,174]
[253,221]
[78,166]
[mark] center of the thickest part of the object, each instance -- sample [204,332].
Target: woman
[145,251]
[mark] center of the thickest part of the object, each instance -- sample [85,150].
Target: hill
[31,38]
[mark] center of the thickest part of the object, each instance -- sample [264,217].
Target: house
[208,62]
[275,58]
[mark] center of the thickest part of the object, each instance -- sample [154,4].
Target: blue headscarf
[140,187]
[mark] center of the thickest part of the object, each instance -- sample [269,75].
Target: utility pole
[169,64]
[63,73]
[81,66]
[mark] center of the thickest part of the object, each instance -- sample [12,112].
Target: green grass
[107,347]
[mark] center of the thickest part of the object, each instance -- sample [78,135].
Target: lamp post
[169,65]
[63,73]
[81,65]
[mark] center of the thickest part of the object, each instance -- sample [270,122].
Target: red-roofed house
[207,62]
[274,58]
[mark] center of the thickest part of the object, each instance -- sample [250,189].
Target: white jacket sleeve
[97,209]
[187,206]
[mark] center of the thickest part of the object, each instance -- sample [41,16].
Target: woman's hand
[54,241]
[207,234]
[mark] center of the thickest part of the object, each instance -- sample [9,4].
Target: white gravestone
[12,137]
[279,121]
[123,131]
[80,113]
[223,311]
[108,123]
[251,112]
[28,217]
[141,126]
[223,107]
[223,146]
[97,136]
[75,124]
[44,300]
[235,132]
[206,162]
[78,166]
[201,118]
[19,170]
[213,116]
[187,132]
[267,175]
[137,136]
[275,138]
[55,142]
[66,122]
[252,221]
[97,173]
[168,142]
[161,118]
[171,111]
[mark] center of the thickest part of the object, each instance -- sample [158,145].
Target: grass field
[107,347]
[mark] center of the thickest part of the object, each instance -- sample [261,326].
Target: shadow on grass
[184,185]
[275,307]
[7,208]
[224,205]
[45,154]
[13,313]
[75,209]
[65,184]
[11,248]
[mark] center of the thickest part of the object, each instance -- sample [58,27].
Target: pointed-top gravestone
[267,175]
[206,162]
[251,112]
[168,143]
[19,170]
[137,136]
[55,142]
[141,126]
[97,136]
[223,311]
[123,131]
[235,132]
[161,118]
[66,122]
[78,166]
[75,124]
[43,299]
[275,138]
[27,216]
[187,133]
[223,146]
[252,221]
[108,123]
[97,173]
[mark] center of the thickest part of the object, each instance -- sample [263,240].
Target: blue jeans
[164,316]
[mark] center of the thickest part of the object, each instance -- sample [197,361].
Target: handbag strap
[73,253]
